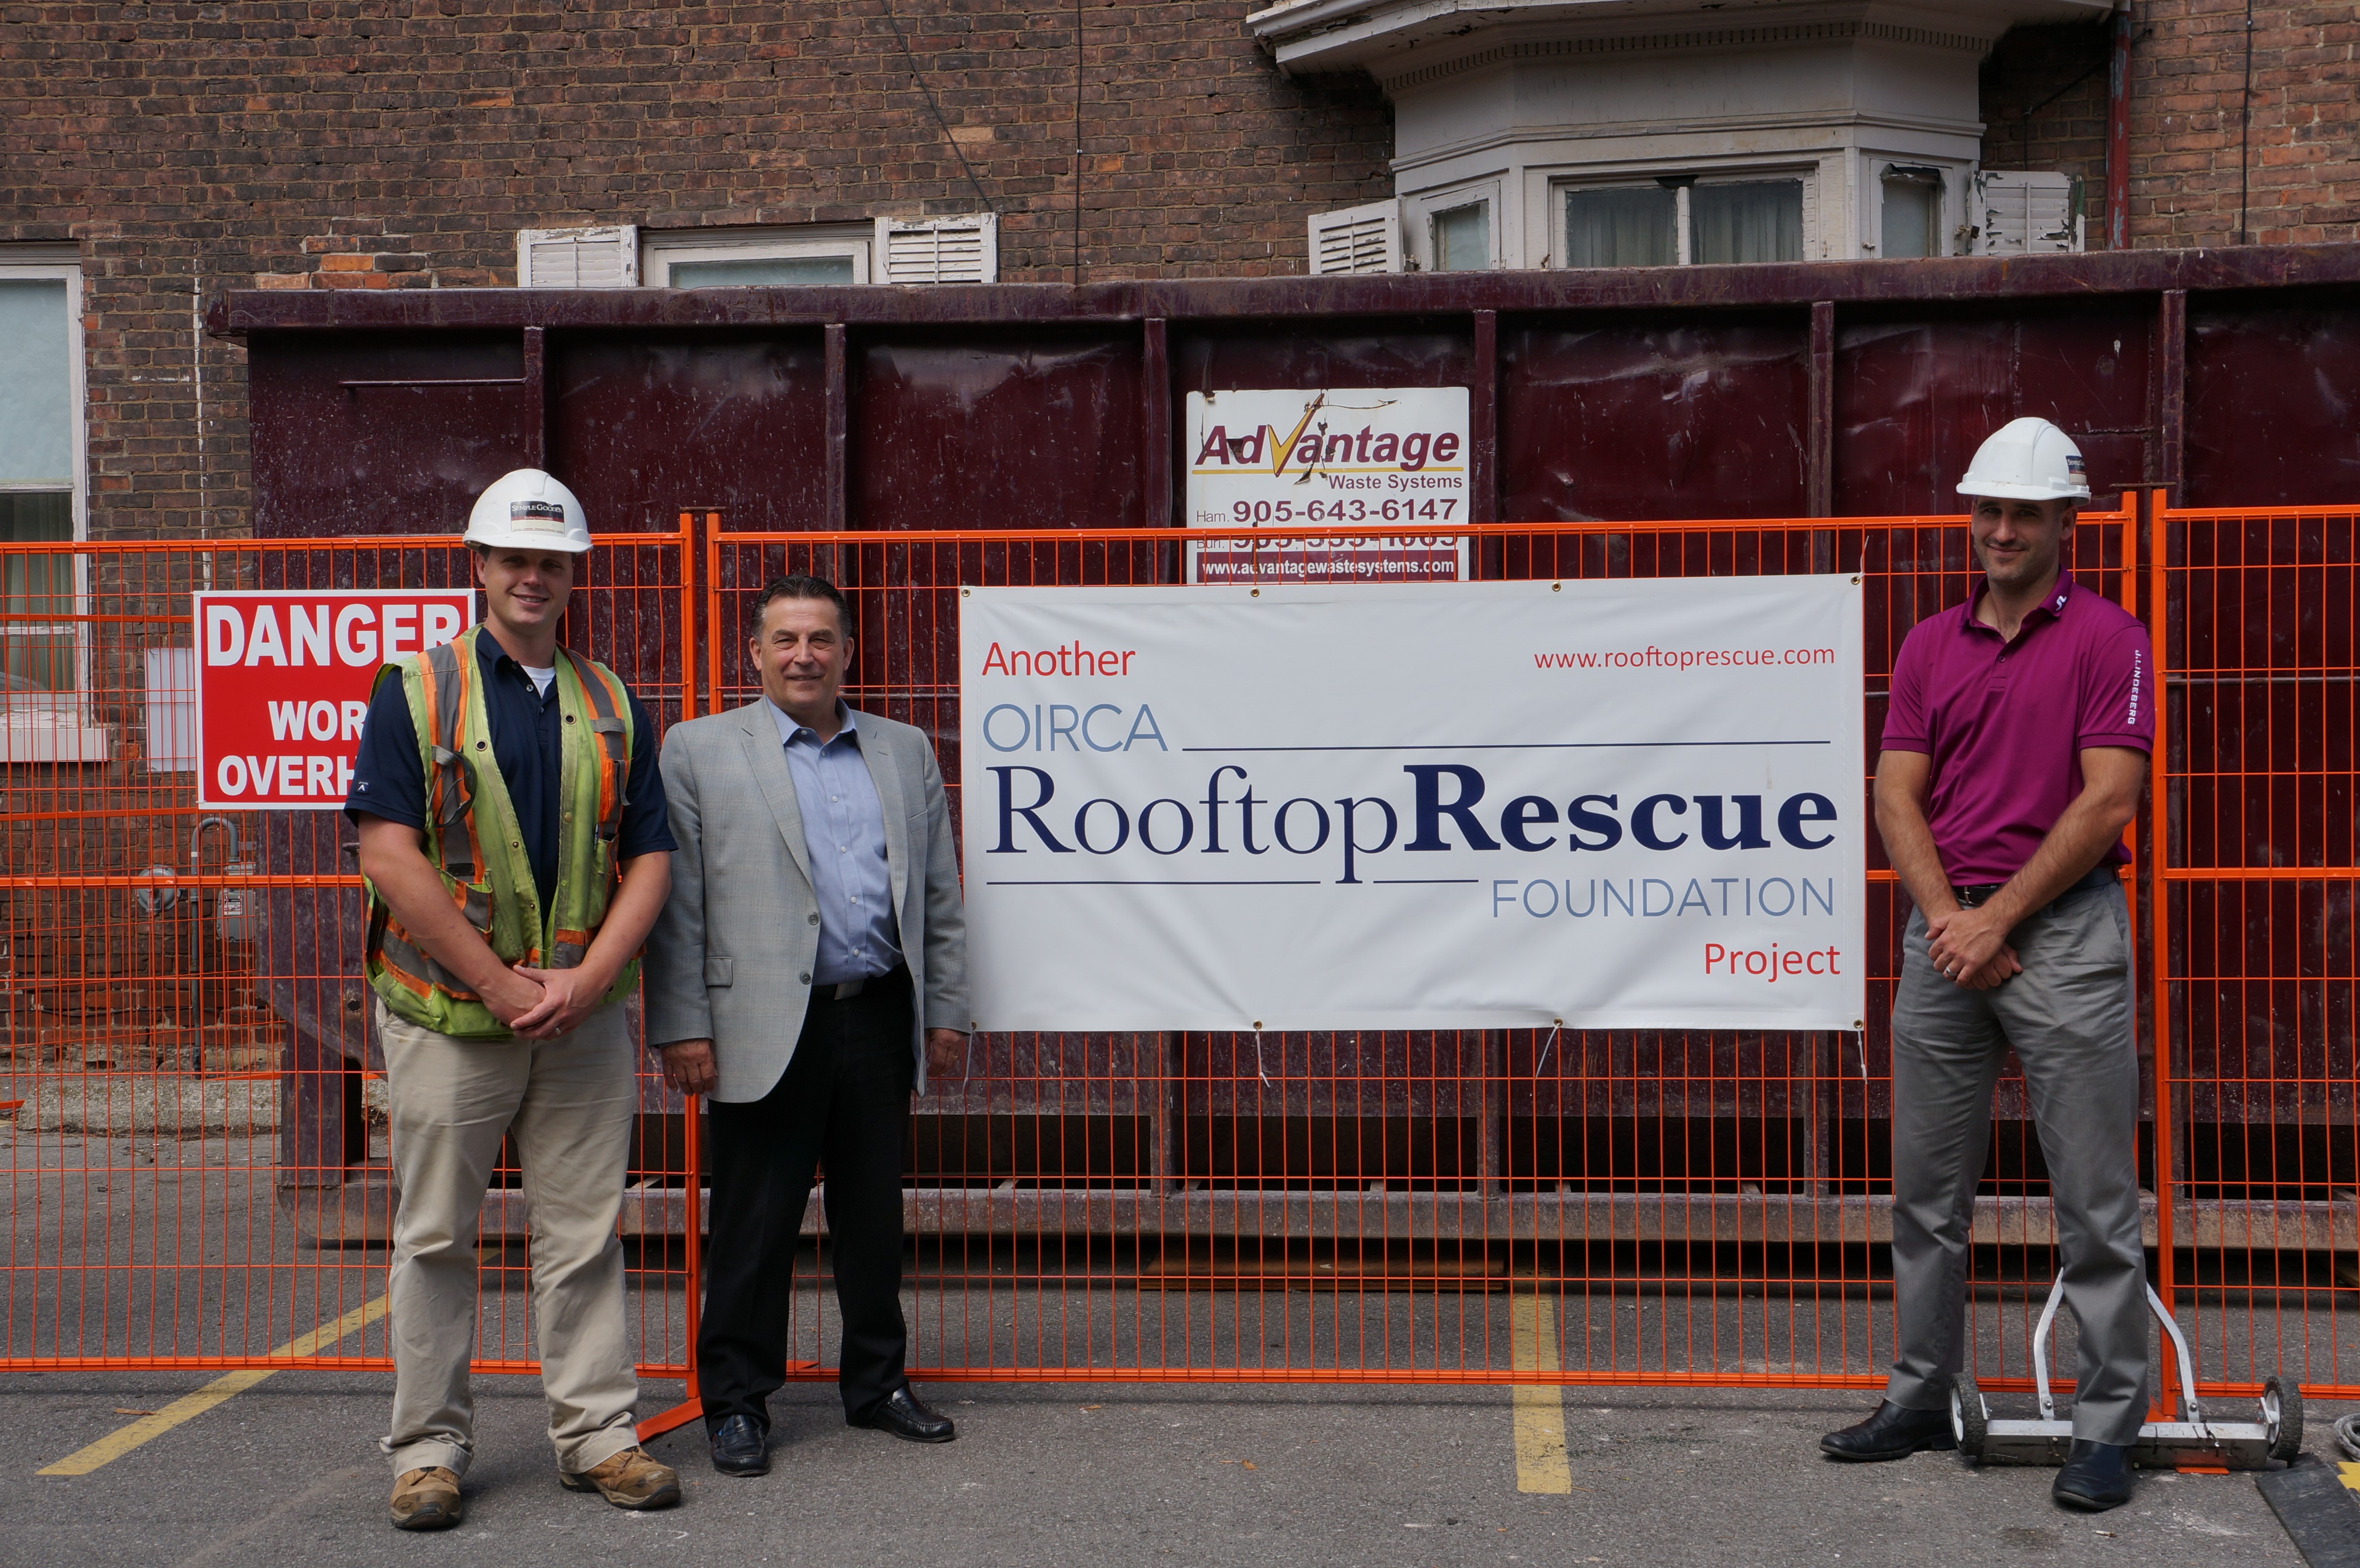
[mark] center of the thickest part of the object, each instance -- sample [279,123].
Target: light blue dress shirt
[844,830]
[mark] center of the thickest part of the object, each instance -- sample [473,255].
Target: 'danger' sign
[283,683]
[1613,805]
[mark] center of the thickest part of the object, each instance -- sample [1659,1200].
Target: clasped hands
[542,1004]
[1969,948]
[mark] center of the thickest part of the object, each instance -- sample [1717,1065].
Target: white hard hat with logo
[2028,460]
[528,510]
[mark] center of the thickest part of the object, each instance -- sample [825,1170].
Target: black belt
[2104,875]
[845,990]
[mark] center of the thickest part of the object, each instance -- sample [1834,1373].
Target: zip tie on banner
[1541,1059]
[1258,1066]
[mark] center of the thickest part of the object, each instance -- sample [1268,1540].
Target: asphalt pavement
[126,1247]
[1080,1475]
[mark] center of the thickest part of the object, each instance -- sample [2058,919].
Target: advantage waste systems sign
[1385,458]
[1630,804]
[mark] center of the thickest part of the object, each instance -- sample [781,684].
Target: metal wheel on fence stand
[2282,1419]
[1970,1416]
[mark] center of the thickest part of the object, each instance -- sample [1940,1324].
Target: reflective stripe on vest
[472,839]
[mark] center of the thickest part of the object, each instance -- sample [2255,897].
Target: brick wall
[2213,161]
[2290,173]
[402,143]
[2044,106]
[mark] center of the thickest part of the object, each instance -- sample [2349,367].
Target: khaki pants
[570,1102]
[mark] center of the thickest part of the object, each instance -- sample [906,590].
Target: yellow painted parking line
[1540,1406]
[115,1444]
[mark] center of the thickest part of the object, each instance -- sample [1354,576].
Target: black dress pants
[844,1100]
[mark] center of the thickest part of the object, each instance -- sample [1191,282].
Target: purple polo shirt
[2006,724]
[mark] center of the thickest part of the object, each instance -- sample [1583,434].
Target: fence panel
[2253,938]
[197,1171]
[198,1174]
[1625,1207]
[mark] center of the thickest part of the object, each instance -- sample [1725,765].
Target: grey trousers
[570,1101]
[2069,1017]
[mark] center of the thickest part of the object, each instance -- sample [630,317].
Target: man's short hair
[800,586]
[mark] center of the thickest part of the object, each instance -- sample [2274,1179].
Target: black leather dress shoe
[905,1418]
[741,1447]
[2097,1476]
[1891,1434]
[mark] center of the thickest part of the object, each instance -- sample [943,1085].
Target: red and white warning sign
[283,684]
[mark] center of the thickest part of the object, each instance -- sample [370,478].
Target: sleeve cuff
[352,809]
[1905,742]
[2125,741]
[663,843]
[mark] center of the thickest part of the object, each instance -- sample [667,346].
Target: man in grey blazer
[810,962]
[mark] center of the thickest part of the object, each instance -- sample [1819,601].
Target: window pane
[35,588]
[1760,219]
[1622,228]
[1463,238]
[788,270]
[1911,209]
[36,383]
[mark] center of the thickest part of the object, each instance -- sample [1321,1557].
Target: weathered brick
[294,143]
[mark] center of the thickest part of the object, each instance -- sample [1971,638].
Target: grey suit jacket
[731,956]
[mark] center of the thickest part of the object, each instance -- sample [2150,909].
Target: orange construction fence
[198,1169]
[1489,1206]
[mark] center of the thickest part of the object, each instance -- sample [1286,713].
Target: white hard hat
[2028,460]
[528,509]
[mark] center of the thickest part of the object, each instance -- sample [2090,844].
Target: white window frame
[662,250]
[1422,210]
[1954,183]
[54,727]
[1562,187]
[1561,192]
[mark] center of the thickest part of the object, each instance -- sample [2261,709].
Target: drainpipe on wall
[2118,133]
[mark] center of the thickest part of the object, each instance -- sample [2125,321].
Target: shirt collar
[848,715]
[491,655]
[2051,608]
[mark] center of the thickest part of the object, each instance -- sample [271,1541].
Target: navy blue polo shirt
[390,780]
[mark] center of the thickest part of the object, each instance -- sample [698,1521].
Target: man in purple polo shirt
[2015,751]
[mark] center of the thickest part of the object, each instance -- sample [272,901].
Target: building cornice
[1685,41]
[1399,41]
[1535,142]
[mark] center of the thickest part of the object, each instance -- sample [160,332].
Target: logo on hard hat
[547,512]
[2073,464]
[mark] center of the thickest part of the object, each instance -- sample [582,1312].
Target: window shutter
[2036,214]
[606,257]
[961,248]
[1357,239]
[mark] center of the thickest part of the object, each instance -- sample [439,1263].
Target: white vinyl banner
[1630,804]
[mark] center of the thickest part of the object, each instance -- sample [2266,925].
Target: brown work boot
[427,1499]
[629,1480]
